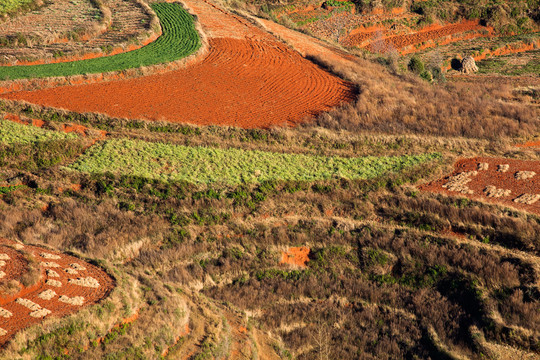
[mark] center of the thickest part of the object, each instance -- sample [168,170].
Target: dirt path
[63,285]
[248,79]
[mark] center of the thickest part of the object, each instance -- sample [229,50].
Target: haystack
[468,65]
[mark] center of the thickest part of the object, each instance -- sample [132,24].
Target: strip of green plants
[8,6]
[205,165]
[503,66]
[179,39]
[13,133]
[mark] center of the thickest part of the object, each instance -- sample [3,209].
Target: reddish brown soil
[501,180]
[17,265]
[433,35]
[88,55]
[298,256]
[534,144]
[248,79]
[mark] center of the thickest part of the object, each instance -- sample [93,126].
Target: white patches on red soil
[504,181]
[86,282]
[54,293]
[47,294]
[458,182]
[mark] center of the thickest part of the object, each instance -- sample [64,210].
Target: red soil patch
[64,271]
[535,144]
[87,55]
[248,79]
[67,128]
[493,177]
[296,256]
[433,35]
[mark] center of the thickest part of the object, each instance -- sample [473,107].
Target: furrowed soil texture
[64,284]
[514,183]
[248,79]
[178,41]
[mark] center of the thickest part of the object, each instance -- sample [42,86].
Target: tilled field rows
[248,79]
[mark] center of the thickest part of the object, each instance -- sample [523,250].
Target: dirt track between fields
[248,79]
[59,281]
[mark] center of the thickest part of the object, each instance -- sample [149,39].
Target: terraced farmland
[179,39]
[318,223]
[232,166]
[13,133]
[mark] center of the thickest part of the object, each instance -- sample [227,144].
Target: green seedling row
[13,133]
[205,165]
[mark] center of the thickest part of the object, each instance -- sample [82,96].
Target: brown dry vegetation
[401,103]
[393,272]
[210,257]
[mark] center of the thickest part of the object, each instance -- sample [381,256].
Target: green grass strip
[202,165]
[7,6]
[179,39]
[13,133]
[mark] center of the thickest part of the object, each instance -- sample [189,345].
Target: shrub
[416,65]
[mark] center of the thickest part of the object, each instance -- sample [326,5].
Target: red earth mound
[296,256]
[248,79]
[64,285]
[514,183]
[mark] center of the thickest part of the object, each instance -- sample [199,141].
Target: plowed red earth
[501,180]
[431,33]
[15,266]
[248,79]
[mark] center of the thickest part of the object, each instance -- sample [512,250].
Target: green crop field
[7,6]
[202,165]
[179,39]
[13,133]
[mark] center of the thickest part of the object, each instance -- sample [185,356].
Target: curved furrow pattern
[248,79]
[179,39]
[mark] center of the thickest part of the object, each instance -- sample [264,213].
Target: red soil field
[298,256]
[57,273]
[248,79]
[493,176]
[406,43]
